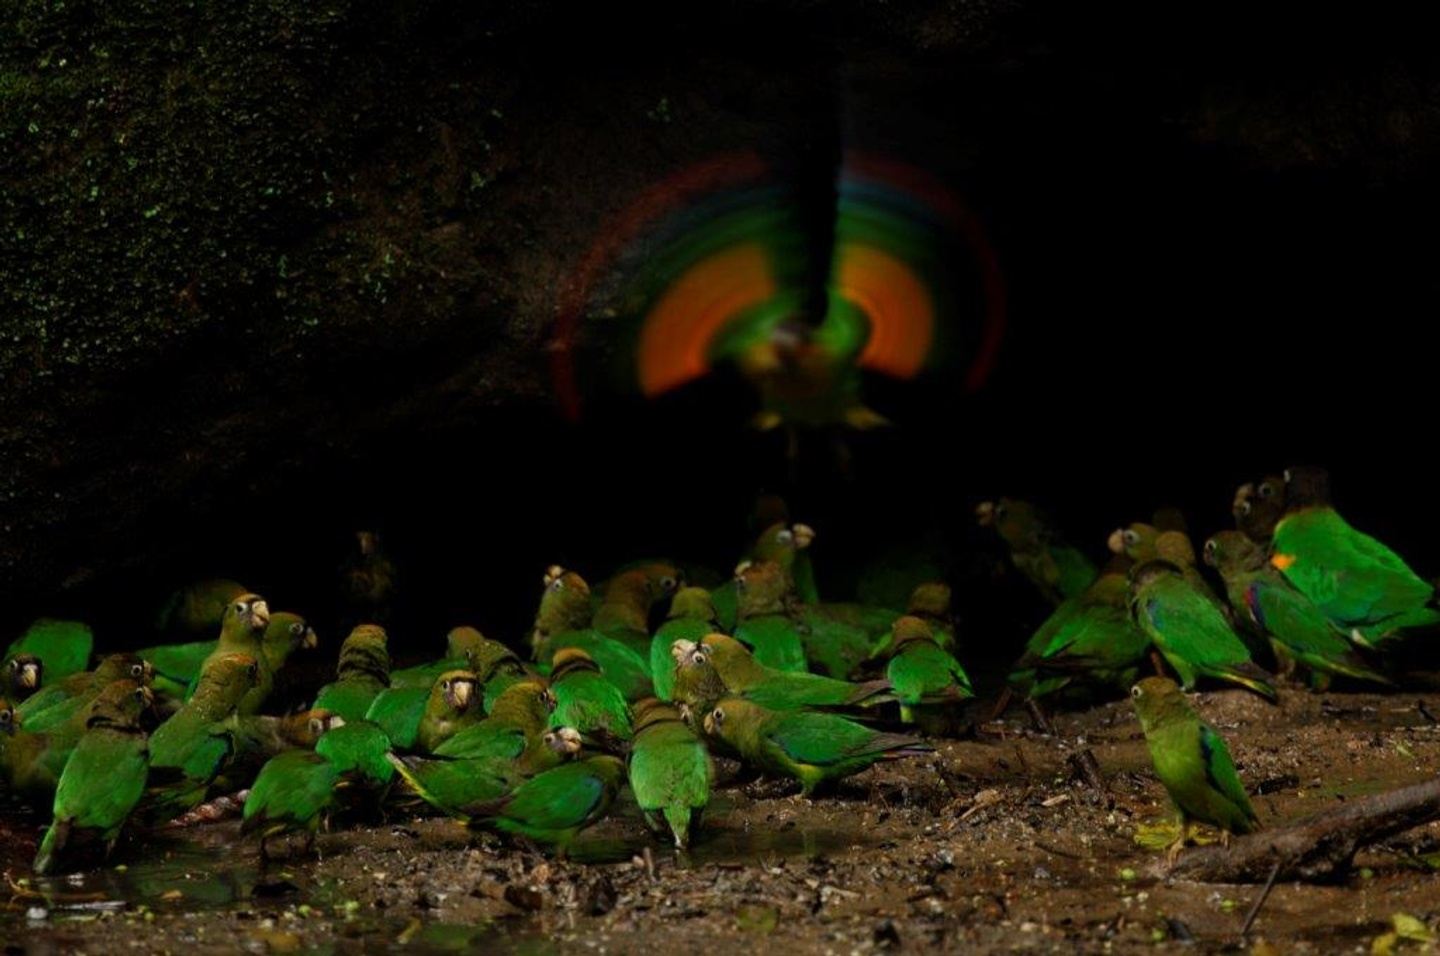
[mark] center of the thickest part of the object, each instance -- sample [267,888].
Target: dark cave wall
[253,248]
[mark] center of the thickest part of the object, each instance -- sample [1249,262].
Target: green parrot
[1257,508]
[697,684]
[744,676]
[554,806]
[567,603]
[920,671]
[294,791]
[190,749]
[1358,582]
[1090,637]
[786,544]
[839,638]
[488,759]
[57,703]
[1189,631]
[763,616]
[1142,542]
[198,608]
[454,704]
[21,677]
[585,699]
[104,778]
[286,633]
[31,763]
[360,750]
[930,602]
[242,631]
[812,748]
[362,673]
[670,771]
[1057,569]
[398,711]
[692,616]
[1299,631]
[459,642]
[64,647]
[260,737]
[178,665]
[1193,763]
[627,598]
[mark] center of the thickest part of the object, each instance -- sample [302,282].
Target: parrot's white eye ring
[1130,537]
[1136,692]
[719,716]
[241,607]
[445,685]
[1266,490]
[557,585]
[297,628]
[137,670]
[1245,508]
[786,536]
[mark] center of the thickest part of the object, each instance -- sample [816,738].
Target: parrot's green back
[558,803]
[838,639]
[1194,637]
[588,701]
[177,665]
[350,698]
[292,791]
[1355,579]
[775,640]
[1090,636]
[1195,766]
[671,773]
[103,781]
[922,672]
[617,660]
[398,712]
[358,747]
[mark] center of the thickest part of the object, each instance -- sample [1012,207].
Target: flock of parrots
[757,669]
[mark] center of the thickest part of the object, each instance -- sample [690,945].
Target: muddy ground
[992,845]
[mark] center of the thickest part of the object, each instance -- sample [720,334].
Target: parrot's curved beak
[985,513]
[30,676]
[310,640]
[709,723]
[259,616]
[681,649]
[462,692]
[553,574]
[804,535]
[1116,541]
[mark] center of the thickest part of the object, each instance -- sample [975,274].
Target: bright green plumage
[744,676]
[57,703]
[920,671]
[809,747]
[358,749]
[242,631]
[1359,583]
[670,771]
[763,617]
[585,699]
[1090,637]
[104,778]
[1189,630]
[453,704]
[363,672]
[294,791]
[1191,760]
[190,749]
[1299,630]
[556,805]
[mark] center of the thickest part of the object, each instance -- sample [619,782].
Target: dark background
[1217,230]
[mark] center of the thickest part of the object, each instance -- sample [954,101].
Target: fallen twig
[1260,901]
[1318,848]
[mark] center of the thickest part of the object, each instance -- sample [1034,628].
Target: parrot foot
[1225,839]
[1172,852]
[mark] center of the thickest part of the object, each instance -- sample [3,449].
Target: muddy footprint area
[994,843]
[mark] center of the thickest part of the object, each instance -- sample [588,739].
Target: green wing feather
[1195,637]
[1220,771]
[360,746]
[63,647]
[398,712]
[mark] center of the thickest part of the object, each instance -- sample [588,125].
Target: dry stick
[1315,849]
[1260,901]
[1083,762]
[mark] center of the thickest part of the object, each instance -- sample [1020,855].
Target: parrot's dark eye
[140,695]
[241,607]
[999,511]
[6,715]
[718,715]
[786,536]
[138,670]
[1136,692]
[1210,548]
[1267,490]
[445,685]
[297,628]
[557,585]
[1245,508]
[667,583]
[1131,538]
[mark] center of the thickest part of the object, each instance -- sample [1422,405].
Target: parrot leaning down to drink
[670,771]
[922,673]
[813,748]
[554,806]
[1192,762]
